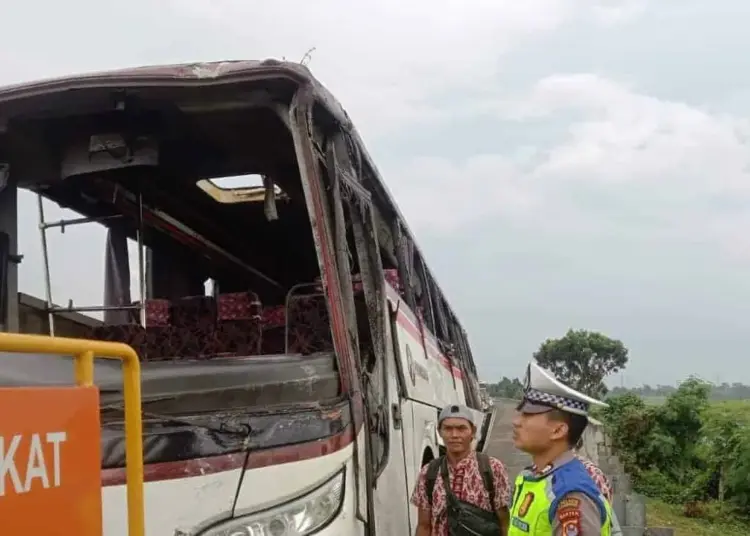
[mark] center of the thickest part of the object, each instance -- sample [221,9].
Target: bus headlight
[299,517]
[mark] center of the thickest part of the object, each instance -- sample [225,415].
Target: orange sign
[50,476]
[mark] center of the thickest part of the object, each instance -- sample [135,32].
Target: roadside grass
[660,514]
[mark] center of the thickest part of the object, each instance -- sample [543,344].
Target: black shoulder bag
[465,519]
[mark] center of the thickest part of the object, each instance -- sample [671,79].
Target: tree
[722,447]
[582,359]
[658,443]
[686,450]
[506,388]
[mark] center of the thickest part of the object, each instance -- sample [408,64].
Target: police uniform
[560,499]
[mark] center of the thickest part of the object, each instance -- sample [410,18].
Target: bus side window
[404,265]
[441,311]
[428,315]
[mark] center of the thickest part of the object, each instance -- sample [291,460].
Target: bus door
[417,404]
[388,511]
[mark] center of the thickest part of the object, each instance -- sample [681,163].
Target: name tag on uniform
[522,525]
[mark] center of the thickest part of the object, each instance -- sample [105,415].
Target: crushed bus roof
[209,73]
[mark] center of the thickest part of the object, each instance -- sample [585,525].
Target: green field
[654,400]
[666,515]
[661,514]
[739,409]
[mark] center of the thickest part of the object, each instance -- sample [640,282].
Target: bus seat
[273,320]
[148,343]
[274,317]
[307,316]
[308,324]
[158,313]
[239,327]
[131,334]
[194,322]
[160,334]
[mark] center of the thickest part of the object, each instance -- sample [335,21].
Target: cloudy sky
[564,163]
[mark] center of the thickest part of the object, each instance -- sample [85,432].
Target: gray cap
[455,411]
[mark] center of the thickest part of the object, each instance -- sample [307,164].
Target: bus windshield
[210,266]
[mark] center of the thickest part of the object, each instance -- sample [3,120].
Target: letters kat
[50,461]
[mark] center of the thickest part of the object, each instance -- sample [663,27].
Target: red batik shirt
[467,485]
[598,476]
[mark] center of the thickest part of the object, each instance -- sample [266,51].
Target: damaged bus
[295,348]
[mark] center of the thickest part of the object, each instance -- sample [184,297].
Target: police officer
[555,496]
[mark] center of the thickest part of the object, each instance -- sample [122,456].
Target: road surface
[500,443]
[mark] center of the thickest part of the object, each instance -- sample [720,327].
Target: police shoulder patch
[569,516]
[572,528]
[569,502]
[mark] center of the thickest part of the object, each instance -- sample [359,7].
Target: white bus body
[257,437]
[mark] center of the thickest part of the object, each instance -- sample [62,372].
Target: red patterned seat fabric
[161,343]
[158,313]
[309,325]
[161,336]
[273,321]
[194,327]
[194,320]
[131,334]
[233,324]
[274,317]
[239,329]
[147,343]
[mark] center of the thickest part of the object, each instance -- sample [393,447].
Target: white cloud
[392,64]
[662,160]
[626,137]
[443,195]
[389,61]
[619,11]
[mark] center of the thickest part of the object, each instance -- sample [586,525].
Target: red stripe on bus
[405,322]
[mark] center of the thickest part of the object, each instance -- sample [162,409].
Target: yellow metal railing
[84,351]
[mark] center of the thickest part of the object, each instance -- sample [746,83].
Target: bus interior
[229,312]
[229,299]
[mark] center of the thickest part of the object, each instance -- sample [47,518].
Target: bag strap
[431,476]
[485,468]
[449,497]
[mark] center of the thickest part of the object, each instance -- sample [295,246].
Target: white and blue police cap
[543,392]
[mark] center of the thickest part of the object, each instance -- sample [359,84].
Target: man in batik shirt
[464,476]
[598,476]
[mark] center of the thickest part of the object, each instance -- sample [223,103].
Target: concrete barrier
[635,510]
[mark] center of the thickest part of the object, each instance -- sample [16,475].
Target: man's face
[457,435]
[536,432]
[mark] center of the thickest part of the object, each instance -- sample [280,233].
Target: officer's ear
[559,423]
